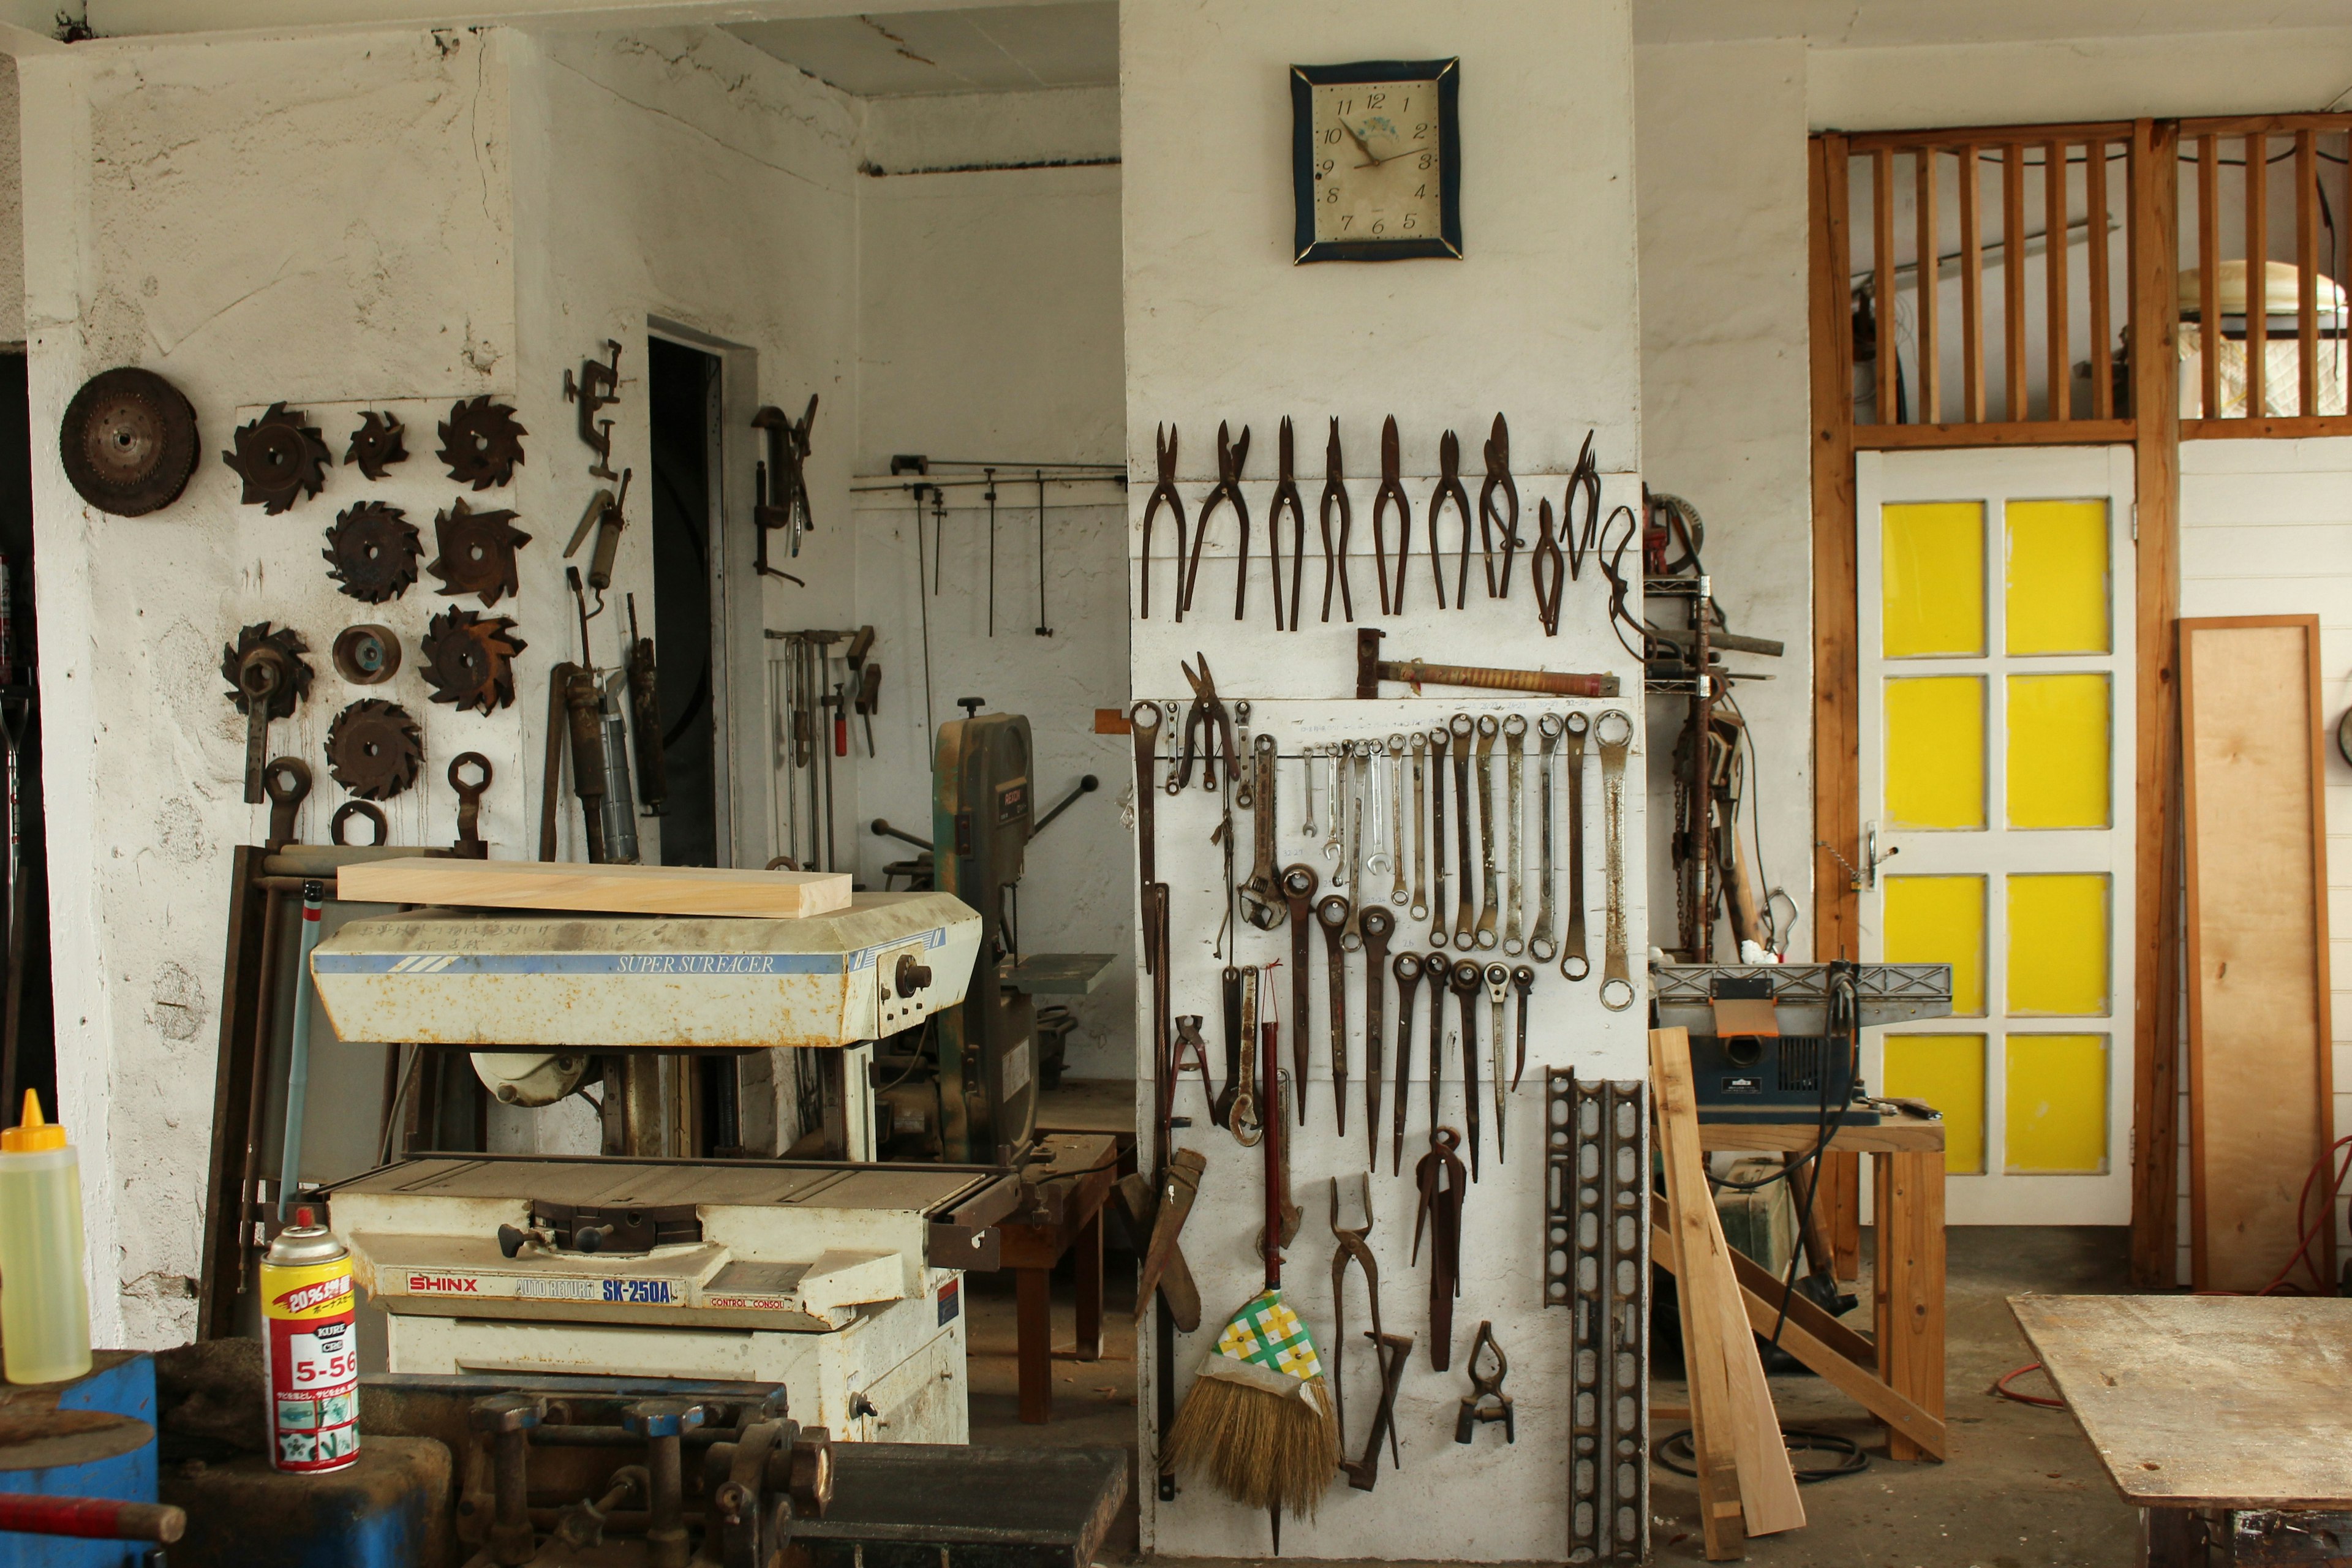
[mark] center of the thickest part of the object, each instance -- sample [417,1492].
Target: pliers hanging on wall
[1285,494]
[1335,494]
[1583,484]
[1391,492]
[1231,455]
[1449,487]
[1499,482]
[1206,717]
[1163,441]
[1546,570]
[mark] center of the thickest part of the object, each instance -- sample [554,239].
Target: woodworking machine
[1781,1042]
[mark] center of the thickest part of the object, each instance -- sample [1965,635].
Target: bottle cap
[33,1135]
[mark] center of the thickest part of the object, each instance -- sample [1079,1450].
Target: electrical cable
[1671,1451]
[2000,1385]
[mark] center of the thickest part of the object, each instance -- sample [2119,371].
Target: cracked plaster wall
[12,213]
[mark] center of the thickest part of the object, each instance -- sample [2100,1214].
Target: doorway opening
[682,400]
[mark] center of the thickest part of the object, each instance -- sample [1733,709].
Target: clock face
[1379,170]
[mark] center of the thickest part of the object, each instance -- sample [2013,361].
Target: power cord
[1674,1452]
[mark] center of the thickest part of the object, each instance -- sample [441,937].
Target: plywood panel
[615,889]
[2260,1077]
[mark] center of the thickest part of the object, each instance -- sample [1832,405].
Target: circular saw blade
[480,442]
[280,459]
[289,648]
[478,551]
[470,659]
[128,442]
[373,550]
[376,445]
[374,748]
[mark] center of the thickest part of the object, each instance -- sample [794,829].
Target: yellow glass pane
[1940,920]
[1948,1071]
[2058,592]
[1935,751]
[1931,579]
[2058,751]
[2057,1102]
[2058,944]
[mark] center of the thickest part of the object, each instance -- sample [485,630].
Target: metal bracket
[598,387]
[1596,1259]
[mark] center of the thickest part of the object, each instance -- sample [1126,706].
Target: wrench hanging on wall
[1573,963]
[1489,872]
[1515,735]
[1331,914]
[1616,980]
[1540,945]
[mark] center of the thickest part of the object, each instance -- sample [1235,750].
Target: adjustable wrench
[1465,980]
[1261,899]
[1298,897]
[1406,966]
[1465,913]
[1616,983]
[1420,744]
[1498,981]
[1397,894]
[1540,945]
[1573,963]
[1514,865]
[1484,935]
[1377,924]
[1437,834]
[1331,914]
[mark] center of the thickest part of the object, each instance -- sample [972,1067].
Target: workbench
[2223,1419]
[1072,1188]
[1899,1378]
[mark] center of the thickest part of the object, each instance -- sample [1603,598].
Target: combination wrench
[1498,982]
[1298,883]
[1337,752]
[1360,770]
[1397,892]
[1616,982]
[1175,752]
[1540,945]
[1514,865]
[1484,934]
[1437,835]
[1573,963]
[1467,982]
[1331,914]
[1419,908]
[1406,966]
[1466,914]
[1307,767]
[1377,924]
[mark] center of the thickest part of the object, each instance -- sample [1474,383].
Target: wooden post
[2098,256]
[2209,281]
[1836,807]
[2013,278]
[2258,292]
[1888,385]
[1908,1285]
[2156,914]
[1926,275]
[2053,274]
[2307,267]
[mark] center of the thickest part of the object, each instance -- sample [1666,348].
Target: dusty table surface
[2206,1401]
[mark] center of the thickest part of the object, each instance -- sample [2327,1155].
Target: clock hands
[1392,158]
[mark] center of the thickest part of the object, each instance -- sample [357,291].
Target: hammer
[1372,669]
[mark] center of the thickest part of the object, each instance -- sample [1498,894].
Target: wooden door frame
[2155,433]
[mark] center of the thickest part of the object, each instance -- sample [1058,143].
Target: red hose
[105,1519]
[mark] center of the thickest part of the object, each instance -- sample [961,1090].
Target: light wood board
[606,890]
[2259,1074]
[2206,1401]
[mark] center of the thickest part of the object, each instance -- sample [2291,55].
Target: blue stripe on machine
[680,964]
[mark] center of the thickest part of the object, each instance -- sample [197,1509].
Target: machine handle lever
[887,831]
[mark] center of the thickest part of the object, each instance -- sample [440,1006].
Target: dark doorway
[27,1038]
[682,398]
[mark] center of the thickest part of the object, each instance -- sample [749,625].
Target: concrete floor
[2022,1490]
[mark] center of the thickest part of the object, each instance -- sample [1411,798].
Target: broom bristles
[1261,1449]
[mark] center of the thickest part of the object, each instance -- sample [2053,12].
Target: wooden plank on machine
[599,890]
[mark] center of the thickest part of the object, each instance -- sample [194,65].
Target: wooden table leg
[1840,1203]
[1033,1328]
[1908,1284]
[2169,1539]
[1087,1258]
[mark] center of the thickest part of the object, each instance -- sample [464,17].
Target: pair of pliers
[1231,456]
[1207,716]
[1499,480]
[1352,1248]
[1335,494]
[1285,493]
[1584,483]
[1449,485]
[1163,442]
[1391,492]
[1546,570]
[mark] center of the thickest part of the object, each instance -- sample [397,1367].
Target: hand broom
[1258,1420]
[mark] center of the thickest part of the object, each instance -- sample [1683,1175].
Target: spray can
[313,1354]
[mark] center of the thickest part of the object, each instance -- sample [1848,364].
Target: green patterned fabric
[1267,1333]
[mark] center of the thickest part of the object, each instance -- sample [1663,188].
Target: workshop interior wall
[1539,321]
[12,211]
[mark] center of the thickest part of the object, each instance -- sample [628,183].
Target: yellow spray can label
[314,1365]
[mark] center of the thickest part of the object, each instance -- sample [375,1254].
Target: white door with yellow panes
[1995,630]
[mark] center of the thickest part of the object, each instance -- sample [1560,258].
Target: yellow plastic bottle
[44,1304]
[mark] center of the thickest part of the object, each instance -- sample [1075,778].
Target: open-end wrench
[1437,835]
[1522,980]
[1420,744]
[1484,934]
[1378,924]
[1331,914]
[1466,911]
[1406,966]
[1514,865]
[1467,982]
[1243,792]
[1175,730]
[1540,945]
[1337,752]
[1242,1116]
[1307,767]
[1298,883]
[1261,903]
[1616,981]
[1397,893]
[1378,862]
[1573,963]
[1499,982]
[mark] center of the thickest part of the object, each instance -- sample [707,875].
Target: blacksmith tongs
[1163,441]
[1352,1248]
[1499,482]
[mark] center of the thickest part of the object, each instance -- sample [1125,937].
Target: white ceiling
[990,49]
[1860,24]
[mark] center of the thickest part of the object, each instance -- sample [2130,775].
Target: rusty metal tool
[1406,967]
[469,845]
[1438,1176]
[1192,1052]
[1261,903]
[1437,835]
[780,486]
[287,781]
[1231,455]
[1546,569]
[1397,893]
[1381,860]
[268,678]
[1522,980]
[1298,884]
[1419,908]
[1541,947]
[366,811]
[1285,494]
[1490,891]
[1372,669]
[1485,1401]
[605,513]
[1242,1117]
[1333,841]
[1163,441]
[1583,484]
[1221,1101]
[1466,914]
[1467,980]
[1352,851]
[1514,865]
[1245,781]
[599,388]
[1350,1247]
[1391,492]
[1377,926]
[1179,1185]
[1573,963]
[1449,488]
[1331,914]
[1335,496]
[1306,771]
[1498,482]
[1434,971]
[1175,711]
[1143,725]
[1390,1354]
[1616,981]
[1206,718]
[1499,980]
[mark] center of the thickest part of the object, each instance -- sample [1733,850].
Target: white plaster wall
[1538,320]
[321,221]
[941,132]
[12,212]
[990,327]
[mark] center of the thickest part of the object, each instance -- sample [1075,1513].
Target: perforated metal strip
[1596,1259]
